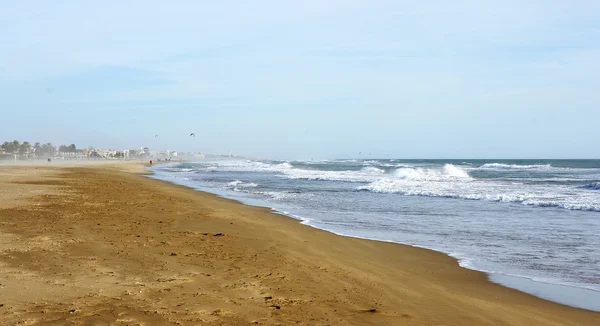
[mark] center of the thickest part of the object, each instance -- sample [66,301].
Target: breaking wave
[366,174]
[246,166]
[592,186]
[284,166]
[514,166]
[470,191]
[449,172]
[447,181]
[240,184]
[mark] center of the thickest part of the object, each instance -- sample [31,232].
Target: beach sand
[99,244]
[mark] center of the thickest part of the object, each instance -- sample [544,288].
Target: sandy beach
[101,244]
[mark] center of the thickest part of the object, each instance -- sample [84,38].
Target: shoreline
[579,297]
[263,267]
[504,280]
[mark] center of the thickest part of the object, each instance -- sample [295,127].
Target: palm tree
[37,149]
[14,147]
[25,148]
[47,149]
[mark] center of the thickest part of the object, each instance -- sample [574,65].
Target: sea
[532,225]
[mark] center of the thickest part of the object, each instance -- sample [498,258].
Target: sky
[306,79]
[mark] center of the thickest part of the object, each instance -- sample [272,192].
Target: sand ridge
[100,244]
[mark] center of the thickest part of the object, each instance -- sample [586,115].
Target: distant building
[134,152]
[68,154]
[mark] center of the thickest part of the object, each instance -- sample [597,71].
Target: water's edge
[563,294]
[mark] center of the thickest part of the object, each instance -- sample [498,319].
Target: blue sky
[302,79]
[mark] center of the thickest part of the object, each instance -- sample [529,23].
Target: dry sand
[99,245]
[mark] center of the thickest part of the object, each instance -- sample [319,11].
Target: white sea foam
[514,166]
[277,195]
[392,165]
[245,166]
[590,206]
[238,185]
[455,172]
[177,169]
[592,186]
[284,166]
[540,196]
[366,174]
[448,181]
[372,170]
[449,172]
[287,170]
[418,187]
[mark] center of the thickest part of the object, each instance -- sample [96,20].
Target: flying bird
[192,134]
[155,135]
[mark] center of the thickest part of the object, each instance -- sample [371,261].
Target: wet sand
[100,244]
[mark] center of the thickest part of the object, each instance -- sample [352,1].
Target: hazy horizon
[397,79]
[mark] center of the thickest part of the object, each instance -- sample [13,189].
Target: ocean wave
[370,162]
[372,170]
[590,207]
[591,186]
[449,172]
[550,180]
[284,166]
[415,188]
[395,165]
[366,174]
[176,169]
[240,184]
[289,171]
[464,190]
[514,166]
[276,195]
[244,166]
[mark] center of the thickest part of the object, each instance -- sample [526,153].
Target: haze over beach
[312,163]
[466,79]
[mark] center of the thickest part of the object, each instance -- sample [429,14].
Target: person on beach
[150,162]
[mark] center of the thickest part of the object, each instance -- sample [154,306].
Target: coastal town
[26,151]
